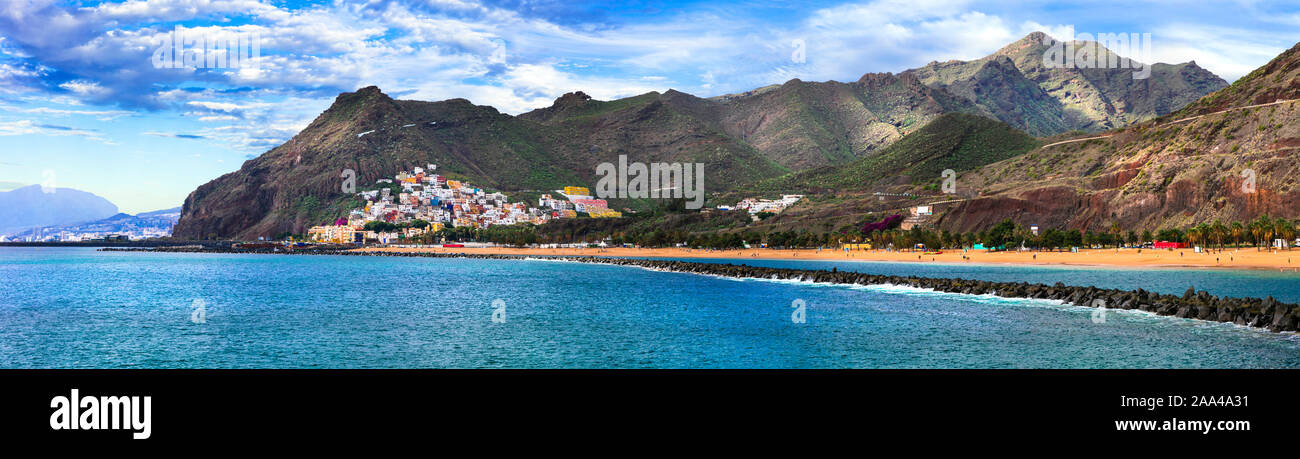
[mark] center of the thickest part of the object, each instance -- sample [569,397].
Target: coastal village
[429,202]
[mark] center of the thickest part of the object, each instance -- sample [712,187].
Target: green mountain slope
[954,141]
[801,125]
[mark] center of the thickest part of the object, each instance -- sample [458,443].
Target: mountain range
[746,140]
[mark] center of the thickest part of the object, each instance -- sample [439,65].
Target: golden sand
[1243,258]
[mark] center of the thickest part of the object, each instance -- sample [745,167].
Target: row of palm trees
[1260,232]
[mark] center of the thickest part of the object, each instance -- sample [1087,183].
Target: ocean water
[75,308]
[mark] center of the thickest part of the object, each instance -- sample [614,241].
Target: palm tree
[1219,230]
[1238,232]
[1283,229]
[1207,233]
[1194,235]
[1256,230]
[1269,230]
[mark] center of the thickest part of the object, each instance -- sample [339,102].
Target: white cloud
[1228,52]
[29,127]
[83,87]
[102,115]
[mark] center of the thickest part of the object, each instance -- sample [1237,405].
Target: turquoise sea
[79,308]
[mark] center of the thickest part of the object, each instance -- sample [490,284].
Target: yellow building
[340,234]
[602,212]
[577,191]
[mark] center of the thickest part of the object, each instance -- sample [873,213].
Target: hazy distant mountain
[174,212]
[28,207]
[158,222]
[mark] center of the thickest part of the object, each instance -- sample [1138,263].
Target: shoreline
[1266,314]
[1229,259]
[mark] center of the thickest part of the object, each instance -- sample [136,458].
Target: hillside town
[428,202]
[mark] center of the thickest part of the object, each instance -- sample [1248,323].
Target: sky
[89,101]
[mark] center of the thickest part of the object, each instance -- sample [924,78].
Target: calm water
[73,307]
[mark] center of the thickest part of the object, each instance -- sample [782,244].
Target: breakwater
[1265,313]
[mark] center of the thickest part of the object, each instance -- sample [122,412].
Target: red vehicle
[1169,245]
[453,246]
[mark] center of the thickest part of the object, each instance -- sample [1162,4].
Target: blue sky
[80,95]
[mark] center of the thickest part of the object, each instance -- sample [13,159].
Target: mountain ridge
[1068,98]
[743,139]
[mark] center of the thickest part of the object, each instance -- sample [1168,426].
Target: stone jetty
[1265,313]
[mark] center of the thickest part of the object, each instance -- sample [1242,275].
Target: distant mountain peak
[1016,86]
[1036,36]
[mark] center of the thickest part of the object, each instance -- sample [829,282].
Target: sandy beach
[1244,258]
